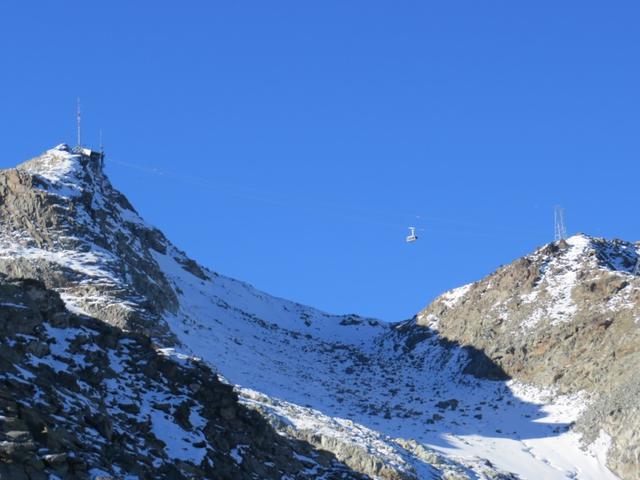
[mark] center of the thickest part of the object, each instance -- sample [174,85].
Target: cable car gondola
[412,237]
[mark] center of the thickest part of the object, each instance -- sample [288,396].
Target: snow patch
[453,297]
[559,276]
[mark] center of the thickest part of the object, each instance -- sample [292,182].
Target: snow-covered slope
[81,399]
[389,400]
[376,390]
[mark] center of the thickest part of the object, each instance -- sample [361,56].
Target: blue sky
[290,144]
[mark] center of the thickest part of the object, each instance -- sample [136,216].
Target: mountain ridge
[588,341]
[391,400]
[82,399]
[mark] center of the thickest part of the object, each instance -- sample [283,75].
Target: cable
[338,209]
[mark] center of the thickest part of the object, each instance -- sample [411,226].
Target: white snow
[13,305]
[236,453]
[600,447]
[347,382]
[178,442]
[61,169]
[552,296]
[558,280]
[453,297]
[94,264]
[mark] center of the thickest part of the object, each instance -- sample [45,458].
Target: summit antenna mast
[559,226]
[78,122]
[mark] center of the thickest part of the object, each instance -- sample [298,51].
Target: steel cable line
[337,209]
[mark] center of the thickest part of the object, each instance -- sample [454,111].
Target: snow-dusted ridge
[551,294]
[80,399]
[60,169]
[366,388]
[314,376]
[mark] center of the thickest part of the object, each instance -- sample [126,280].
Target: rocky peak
[67,171]
[547,285]
[81,399]
[565,317]
[63,222]
[586,252]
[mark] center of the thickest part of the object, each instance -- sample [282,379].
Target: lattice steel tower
[560,228]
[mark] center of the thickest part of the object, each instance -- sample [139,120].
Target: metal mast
[101,151]
[78,122]
[559,226]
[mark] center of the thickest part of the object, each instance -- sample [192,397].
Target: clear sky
[294,142]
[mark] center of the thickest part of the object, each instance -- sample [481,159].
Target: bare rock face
[63,223]
[567,317]
[80,398]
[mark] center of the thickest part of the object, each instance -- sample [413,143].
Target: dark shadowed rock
[53,423]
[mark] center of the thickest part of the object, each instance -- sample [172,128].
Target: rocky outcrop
[64,224]
[565,317]
[80,398]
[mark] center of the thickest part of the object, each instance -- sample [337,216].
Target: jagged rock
[448,404]
[58,431]
[17,451]
[53,212]
[55,460]
[564,317]
[17,436]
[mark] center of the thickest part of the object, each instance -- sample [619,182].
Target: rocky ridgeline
[89,391]
[567,317]
[81,399]
[63,223]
